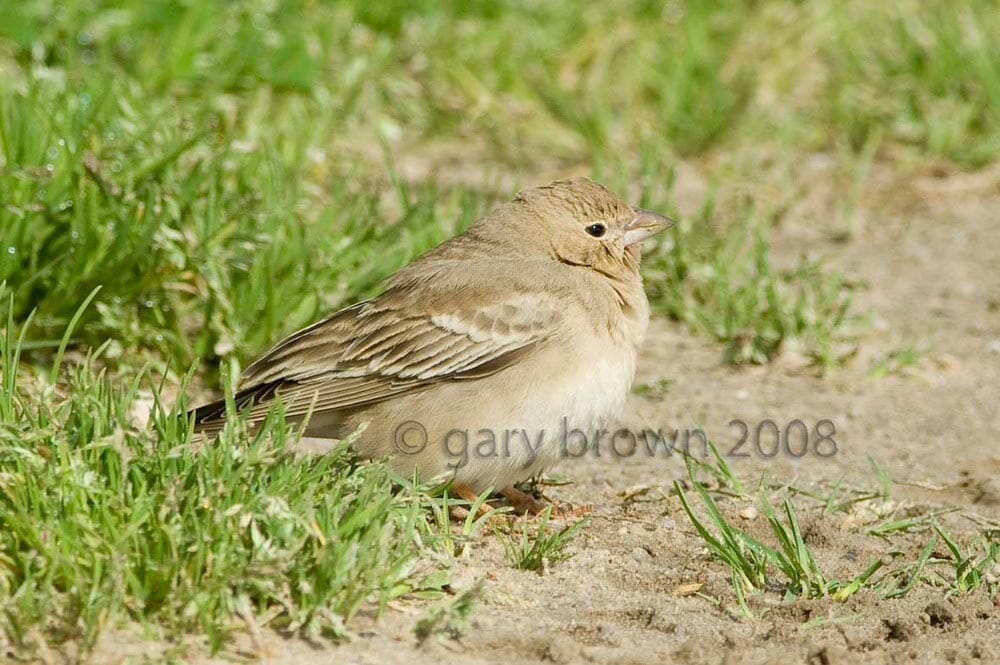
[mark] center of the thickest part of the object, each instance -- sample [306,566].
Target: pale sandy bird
[522,328]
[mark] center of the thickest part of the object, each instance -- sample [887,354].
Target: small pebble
[640,555]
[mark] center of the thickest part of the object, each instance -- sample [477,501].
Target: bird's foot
[569,512]
[522,502]
[525,504]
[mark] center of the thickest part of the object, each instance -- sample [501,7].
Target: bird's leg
[468,494]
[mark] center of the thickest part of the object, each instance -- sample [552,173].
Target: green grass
[785,562]
[723,284]
[921,522]
[939,61]
[757,567]
[973,567]
[103,519]
[196,235]
[657,389]
[450,618]
[535,545]
[445,510]
[898,361]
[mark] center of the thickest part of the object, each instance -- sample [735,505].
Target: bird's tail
[210,418]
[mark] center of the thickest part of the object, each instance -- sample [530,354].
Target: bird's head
[581,223]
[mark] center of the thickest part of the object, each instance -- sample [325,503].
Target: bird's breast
[587,385]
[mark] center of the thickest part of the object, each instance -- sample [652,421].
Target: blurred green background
[227,171]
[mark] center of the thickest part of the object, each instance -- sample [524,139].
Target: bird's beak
[645,224]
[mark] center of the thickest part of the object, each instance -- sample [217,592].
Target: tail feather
[211,418]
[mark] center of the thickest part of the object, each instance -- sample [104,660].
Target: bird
[478,357]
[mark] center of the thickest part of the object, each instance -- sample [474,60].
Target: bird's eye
[597,230]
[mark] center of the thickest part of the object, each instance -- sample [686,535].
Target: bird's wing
[378,349]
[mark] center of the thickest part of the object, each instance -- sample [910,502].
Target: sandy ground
[928,257]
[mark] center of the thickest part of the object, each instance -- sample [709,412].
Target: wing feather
[374,351]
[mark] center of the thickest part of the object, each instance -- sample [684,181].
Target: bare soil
[927,256]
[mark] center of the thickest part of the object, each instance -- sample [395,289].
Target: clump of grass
[104,520]
[794,558]
[449,619]
[204,231]
[443,509]
[751,561]
[723,284]
[745,556]
[900,580]
[656,389]
[898,361]
[975,566]
[533,545]
[928,72]
[184,168]
[791,566]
